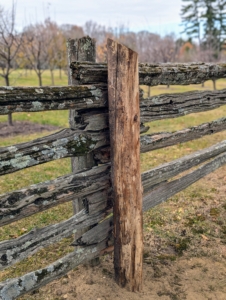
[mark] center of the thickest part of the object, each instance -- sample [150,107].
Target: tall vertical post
[124,121]
[83,49]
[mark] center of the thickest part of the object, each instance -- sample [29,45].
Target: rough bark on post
[83,49]
[124,120]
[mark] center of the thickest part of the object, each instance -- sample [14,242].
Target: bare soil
[23,128]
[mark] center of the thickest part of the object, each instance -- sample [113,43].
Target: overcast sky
[159,16]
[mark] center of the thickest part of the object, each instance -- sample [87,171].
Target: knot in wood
[135,118]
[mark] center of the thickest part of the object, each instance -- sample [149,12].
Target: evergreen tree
[205,20]
[191,18]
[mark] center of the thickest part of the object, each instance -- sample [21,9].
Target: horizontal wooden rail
[97,203]
[158,195]
[67,143]
[153,74]
[15,250]
[96,239]
[175,167]
[39,197]
[18,99]
[154,141]
[13,288]
[166,106]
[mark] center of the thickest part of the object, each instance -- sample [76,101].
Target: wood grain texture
[13,288]
[78,50]
[153,74]
[154,141]
[67,143]
[175,105]
[25,202]
[96,209]
[103,231]
[31,99]
[173,168]
[85,98]
[168,189]
[124,123]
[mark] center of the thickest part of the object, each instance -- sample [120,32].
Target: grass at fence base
[194,217]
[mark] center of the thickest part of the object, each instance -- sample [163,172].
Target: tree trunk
[10,118]
[60,72]
[52,77]
[39,78]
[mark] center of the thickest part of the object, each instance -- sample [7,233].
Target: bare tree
[35,47]
[10,42]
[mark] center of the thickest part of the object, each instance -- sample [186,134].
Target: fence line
[89,133]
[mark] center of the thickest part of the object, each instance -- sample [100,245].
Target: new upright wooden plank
[124,119]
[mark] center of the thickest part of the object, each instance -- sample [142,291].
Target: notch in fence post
[124,121]
[83,49]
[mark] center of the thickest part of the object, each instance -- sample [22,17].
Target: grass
[167,221]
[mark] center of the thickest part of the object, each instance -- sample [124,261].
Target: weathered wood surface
[13,288]
[25,202]
[156,196]
[96,209]
[67,143]
[18,99]
[103,230]
[154,141]
[153,74]
[79,50]
[86,97]
[167,190]
[124,123]
[15,250]
[175,105]
[97,234]
[175,167]
[39,197]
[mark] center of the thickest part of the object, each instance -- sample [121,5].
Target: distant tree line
[42,46]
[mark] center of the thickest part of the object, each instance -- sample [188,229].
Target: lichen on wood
[153,74]
[27,201]
[30,99]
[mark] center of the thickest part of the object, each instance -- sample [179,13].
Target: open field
[185,238]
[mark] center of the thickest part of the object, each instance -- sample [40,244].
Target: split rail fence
[87,141]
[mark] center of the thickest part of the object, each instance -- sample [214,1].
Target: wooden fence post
[83,49]
[124,120]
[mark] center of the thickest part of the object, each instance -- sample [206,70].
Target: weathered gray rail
[83,98]
[67,143]
[153,74]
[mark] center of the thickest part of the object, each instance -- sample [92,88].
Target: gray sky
[159,16]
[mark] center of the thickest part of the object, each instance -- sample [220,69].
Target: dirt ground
[184,255]
[23,127]
[185,278]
